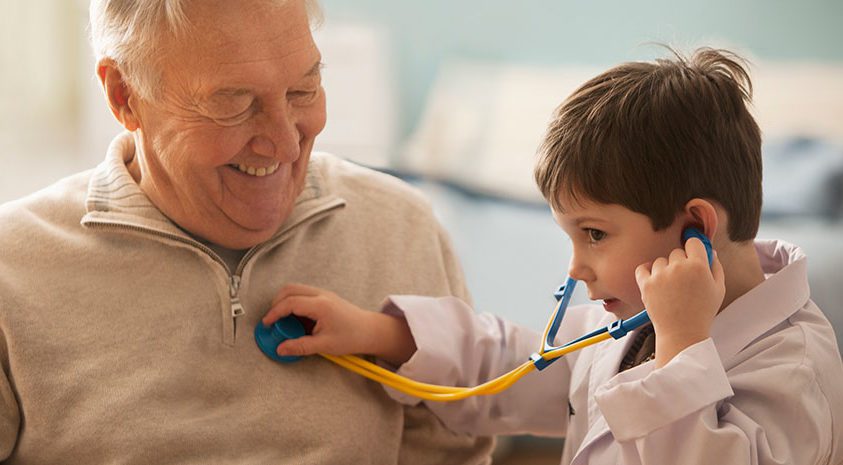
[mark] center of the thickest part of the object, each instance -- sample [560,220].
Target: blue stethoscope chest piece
[269,337]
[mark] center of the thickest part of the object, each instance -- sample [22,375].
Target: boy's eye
[595,235]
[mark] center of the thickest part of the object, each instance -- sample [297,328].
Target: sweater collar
[115,198]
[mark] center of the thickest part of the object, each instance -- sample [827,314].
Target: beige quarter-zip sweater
[125,341]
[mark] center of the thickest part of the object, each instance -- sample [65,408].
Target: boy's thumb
[717,270]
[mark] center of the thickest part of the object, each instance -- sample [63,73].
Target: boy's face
[609,242]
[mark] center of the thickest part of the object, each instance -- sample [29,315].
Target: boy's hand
[341,327]
[682,296]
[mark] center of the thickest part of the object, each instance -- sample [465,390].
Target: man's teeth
[259,172]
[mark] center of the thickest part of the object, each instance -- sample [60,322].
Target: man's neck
[742,269]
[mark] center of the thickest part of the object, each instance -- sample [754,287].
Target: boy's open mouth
[610,304]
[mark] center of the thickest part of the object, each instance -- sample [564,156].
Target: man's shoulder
[62,202]
[361,185]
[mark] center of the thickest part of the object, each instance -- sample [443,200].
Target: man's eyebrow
[238,91]
[316,69]
[231,92]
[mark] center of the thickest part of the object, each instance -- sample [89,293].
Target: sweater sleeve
[453,269]
[457,347]
[9,411]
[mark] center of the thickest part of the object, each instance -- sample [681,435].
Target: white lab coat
[766,388]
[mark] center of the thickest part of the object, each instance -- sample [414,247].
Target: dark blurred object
[803,177]
[528,450]
[306,323]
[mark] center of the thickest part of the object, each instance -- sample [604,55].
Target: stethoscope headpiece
[269,337]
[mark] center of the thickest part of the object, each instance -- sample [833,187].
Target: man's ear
[118,94]
[702,214]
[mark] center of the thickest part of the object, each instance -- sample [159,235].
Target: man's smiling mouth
[257,171]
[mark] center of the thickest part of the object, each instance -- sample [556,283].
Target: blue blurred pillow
[803,177]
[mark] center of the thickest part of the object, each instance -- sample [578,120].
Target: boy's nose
[579,271]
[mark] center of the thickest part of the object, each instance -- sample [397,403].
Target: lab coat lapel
[762,308]
[607,360]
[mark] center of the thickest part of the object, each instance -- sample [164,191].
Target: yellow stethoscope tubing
[546,353]
[452,393]
[447,393]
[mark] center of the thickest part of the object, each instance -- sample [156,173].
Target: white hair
[129,31]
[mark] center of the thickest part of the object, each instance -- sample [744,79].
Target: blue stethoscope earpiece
[269,337]
[694,232]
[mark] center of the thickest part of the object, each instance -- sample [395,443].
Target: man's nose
[278,136]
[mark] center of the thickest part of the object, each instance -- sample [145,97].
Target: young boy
[739,365]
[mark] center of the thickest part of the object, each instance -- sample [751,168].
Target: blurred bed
[472,154]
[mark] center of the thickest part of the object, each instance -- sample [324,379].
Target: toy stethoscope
[268,339]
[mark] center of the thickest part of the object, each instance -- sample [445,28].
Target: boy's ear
[118,94]
[702,214]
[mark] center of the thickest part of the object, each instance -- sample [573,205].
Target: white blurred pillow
[798,99]
[483,122]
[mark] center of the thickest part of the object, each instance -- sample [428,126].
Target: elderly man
[129,293]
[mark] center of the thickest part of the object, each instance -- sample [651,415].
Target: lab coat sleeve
[457,347]
[691,412]
[424,438]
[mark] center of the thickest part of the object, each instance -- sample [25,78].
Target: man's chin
[241,240]
[245,233]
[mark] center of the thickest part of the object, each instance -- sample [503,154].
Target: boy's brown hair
[652,136]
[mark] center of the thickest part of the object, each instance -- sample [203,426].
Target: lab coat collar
[762,308]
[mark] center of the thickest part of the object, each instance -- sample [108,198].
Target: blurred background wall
[394,51]
[423,35]
[455,96]
[383,59]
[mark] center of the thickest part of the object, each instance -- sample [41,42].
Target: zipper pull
[236,307]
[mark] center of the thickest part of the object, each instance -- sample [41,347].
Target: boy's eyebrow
[586,219]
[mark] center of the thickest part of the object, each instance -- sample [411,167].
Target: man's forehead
[236,56]
[222,15]
[228,33]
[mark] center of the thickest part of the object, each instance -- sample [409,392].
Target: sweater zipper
[234,289]
[234,283]
[237,309]
[234,279]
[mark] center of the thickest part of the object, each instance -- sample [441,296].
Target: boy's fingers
[676,254]
[306,306]
[294,289]
[658,265]
[695,249]
[642,272]
[305,345]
